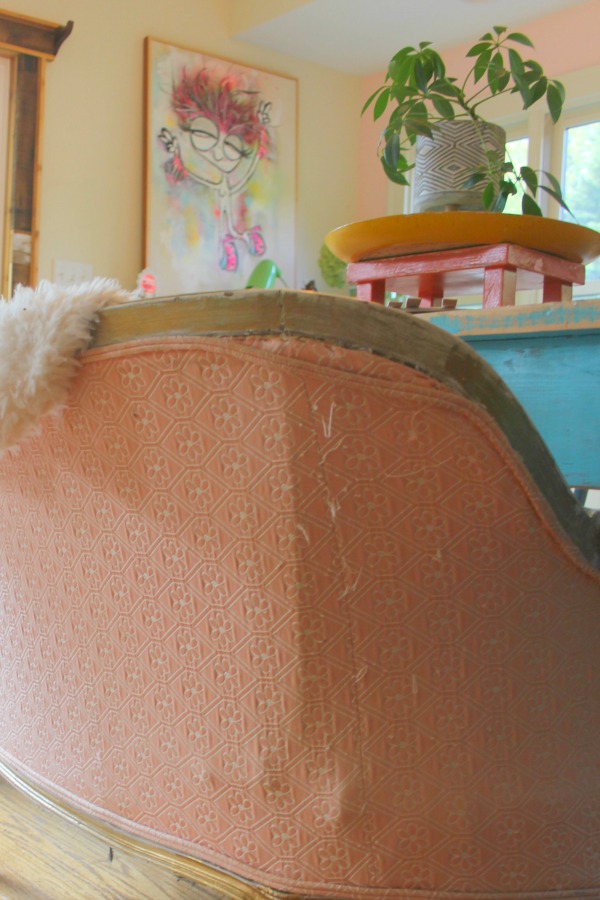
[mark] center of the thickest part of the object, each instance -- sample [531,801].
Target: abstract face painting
[220,170]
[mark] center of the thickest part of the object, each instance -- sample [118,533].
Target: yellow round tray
[425,232]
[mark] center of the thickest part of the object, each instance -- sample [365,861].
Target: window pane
[581,181]
[517,153]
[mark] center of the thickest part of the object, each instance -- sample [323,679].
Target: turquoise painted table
[549,356]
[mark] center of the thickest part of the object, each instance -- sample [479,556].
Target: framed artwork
[220,170]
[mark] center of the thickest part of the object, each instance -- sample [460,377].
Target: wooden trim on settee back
[390,333]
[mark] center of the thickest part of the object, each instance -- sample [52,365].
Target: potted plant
[428,104]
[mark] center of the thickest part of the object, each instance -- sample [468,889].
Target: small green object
[264,275]
[332,268]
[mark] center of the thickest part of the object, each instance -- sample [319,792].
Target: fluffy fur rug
[41,333]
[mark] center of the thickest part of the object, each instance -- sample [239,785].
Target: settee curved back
[278,593]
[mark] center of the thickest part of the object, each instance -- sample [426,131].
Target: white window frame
[582,115]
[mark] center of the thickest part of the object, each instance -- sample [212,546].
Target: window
[581,180]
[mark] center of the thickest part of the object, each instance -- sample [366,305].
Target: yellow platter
[424,232]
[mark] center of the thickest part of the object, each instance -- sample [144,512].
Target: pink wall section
[372,183]
[564,42]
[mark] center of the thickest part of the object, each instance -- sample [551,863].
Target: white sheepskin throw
[41,332]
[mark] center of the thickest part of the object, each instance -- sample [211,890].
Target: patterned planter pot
[444,164]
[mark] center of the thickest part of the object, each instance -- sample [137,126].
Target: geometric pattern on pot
[444,163]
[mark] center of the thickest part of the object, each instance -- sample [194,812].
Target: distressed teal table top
[549,356]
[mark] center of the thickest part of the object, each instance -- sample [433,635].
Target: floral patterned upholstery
[300,612]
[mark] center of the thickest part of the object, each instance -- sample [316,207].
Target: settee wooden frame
[373,331]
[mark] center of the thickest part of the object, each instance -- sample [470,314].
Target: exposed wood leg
[556,291]
[499,287]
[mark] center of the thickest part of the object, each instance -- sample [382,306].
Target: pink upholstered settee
[294,589]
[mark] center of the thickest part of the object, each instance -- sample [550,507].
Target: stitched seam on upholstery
[242,870]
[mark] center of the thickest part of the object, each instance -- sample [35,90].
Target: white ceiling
[360,36]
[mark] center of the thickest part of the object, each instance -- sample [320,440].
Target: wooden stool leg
[431,289]
[499,287]
[371,291]
[556,291]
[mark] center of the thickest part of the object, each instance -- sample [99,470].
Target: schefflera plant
[425,96]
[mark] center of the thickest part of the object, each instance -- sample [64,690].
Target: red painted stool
[496,270]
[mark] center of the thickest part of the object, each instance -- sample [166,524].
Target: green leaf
[519,38]
[555,191]
[503,80]
[428,67]
[530,178]
[400,72]
[438,65]
[496,72]
[529,206]
[494,158]
[397,117]
[492,77]
[381,103]
[403,95]
[534,67]
[560,88]
[391,154]
[557,196]
[499,29]
[420,76]
[477,49]
[401,55]
[525,93]
[419,109]
[370,100]
[475,179]
[444,86]
[517,66]
[521,82]
[537,90]
[394,175]
[559,199]
[555,99]
[443,106]
[418,125]
[433,64]
[488,195]
[499,203]
[554,182]
[497,61]
[530,77]
[480,67]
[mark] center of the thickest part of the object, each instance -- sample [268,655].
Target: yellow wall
[91,198]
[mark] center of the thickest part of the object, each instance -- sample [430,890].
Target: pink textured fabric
[297,611]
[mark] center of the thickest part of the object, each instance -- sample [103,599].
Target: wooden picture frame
[220,170]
